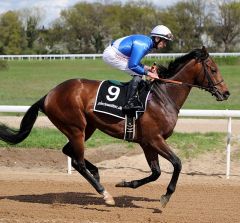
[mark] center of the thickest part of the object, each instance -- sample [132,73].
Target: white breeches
[116,59]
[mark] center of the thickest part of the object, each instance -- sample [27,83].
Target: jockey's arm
[138,52]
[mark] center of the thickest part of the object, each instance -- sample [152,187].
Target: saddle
[111,97]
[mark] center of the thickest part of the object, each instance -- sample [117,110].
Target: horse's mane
[175,65]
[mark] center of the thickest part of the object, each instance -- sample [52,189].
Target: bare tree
[31,19]
[226,30]
[187,21]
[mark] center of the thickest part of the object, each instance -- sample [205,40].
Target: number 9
[114,92]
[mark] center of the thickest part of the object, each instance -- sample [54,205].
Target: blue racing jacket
[135,47]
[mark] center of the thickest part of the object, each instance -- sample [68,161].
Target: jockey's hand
[152,69]
[153,75]
[146,67]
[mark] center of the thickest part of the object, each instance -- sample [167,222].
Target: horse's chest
[168,124]
[163,124]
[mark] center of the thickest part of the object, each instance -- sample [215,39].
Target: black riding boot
[133,102]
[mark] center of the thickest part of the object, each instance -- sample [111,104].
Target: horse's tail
[12,136]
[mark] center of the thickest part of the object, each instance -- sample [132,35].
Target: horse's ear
[204,53]
[204,49]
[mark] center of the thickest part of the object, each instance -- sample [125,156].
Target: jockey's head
[161,34]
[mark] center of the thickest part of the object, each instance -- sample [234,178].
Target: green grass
[25,81]
[54,139]
[186,145]
[192,145]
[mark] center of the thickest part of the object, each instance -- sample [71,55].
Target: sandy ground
[35,187]
[40,190]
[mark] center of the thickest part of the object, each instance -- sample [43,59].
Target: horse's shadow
[85,200]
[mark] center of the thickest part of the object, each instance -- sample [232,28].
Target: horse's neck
[179,93]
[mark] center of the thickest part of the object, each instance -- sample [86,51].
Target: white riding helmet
[163,32]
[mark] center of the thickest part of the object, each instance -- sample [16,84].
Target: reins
[168,81]
[211,85]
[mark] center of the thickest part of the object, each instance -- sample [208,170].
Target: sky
[52,8]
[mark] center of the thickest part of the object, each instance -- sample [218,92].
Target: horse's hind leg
[77,141]
[68,150]
[93,170]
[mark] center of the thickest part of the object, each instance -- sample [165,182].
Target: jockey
[126,54]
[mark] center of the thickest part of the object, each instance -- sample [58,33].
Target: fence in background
[94,56]
[183,113]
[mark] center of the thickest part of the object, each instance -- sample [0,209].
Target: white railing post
[69,160]
[228,149]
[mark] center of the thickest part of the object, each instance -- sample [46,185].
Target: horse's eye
[213,70]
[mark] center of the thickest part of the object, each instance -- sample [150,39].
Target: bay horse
[69,106]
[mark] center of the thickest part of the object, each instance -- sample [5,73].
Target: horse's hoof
[121,184]
[108,198]
[164,200]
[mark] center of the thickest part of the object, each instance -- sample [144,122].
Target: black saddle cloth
[112,95]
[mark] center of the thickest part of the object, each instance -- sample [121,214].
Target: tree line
[90,27]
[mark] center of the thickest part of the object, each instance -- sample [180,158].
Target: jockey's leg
[114,58]
[133,102]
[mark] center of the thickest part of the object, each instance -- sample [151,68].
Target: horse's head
[206,73]
[210,77]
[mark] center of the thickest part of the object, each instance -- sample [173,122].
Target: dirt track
[40,190]
[71,200]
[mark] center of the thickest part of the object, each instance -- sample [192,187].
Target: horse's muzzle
[221,96]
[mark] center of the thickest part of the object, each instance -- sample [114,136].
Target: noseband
[211,84]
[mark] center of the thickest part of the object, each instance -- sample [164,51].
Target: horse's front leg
[152,159]
[85,168]
[154,147]
[164,150]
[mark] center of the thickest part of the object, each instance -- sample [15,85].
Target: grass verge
[186,145]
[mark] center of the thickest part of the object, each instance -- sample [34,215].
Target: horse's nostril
[226,94]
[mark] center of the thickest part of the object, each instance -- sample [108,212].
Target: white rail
[94,56]
[183,113]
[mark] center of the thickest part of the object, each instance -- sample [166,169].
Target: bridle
[211,84]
